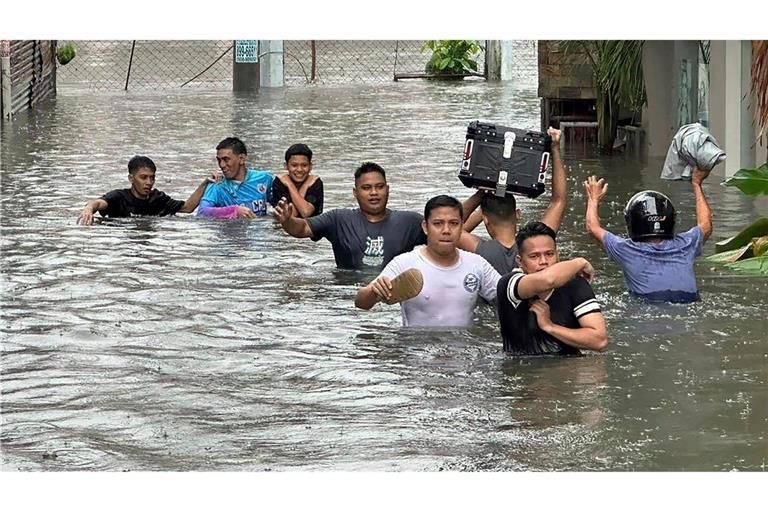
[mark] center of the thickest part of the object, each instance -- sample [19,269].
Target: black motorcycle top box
[504,159]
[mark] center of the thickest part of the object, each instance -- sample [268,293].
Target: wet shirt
[519,327]
[659,272]
[253,192]
[314,195]
[500,257]
[359,243]
[121,203]
[449,294]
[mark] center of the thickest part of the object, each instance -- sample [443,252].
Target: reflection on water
[196,344]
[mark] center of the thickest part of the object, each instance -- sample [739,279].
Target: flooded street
[184,343]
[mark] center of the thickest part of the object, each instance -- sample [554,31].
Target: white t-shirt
[449,294]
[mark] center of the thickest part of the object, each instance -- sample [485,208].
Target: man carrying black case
[504,159]
[500,213]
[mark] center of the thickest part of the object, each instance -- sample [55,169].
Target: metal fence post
[130,63]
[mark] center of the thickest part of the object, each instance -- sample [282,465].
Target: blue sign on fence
[247,51]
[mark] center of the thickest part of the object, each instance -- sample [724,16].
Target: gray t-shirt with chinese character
[359,243]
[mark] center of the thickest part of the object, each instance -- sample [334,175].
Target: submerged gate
[28,74]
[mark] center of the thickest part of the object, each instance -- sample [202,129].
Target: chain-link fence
[525,62]
[330,62]
[116,65]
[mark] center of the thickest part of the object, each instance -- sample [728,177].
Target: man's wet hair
[439,202]
[367,167]
[531,229]
[236,145]
[298,149]
[139,162]
[499,209]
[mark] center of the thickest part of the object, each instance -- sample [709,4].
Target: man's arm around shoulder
[555,276]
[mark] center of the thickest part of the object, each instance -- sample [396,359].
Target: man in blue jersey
[243,193]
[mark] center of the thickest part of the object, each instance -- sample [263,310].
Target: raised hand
[283,210]
[596,189]
[555,134]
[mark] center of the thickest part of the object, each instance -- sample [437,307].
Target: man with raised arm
[657,263]
[368,236]
[500,216]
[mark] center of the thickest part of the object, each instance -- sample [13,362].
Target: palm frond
[760,81]
[620,71]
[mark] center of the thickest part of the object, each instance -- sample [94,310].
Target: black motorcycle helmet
[649,214]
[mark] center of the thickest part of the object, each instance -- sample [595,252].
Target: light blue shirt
[253,192]
[658,271]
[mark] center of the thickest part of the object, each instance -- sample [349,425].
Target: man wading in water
[243,193]
[453,279]
[547,307]
[368,236]
[657,263]
[141,198]
[500,216]
[297,185]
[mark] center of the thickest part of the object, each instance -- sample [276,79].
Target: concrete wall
[563,75]
[731,117]
[658,114]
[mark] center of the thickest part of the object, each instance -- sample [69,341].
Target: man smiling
[243,193]
[368,236]
[297,185]
[453,279]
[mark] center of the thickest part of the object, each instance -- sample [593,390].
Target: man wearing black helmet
[657,264]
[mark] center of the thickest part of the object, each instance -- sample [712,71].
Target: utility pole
[245,70]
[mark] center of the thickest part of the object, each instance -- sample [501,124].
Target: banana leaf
[760,246]
[733,255]
[750,181]
[756,229]
[757,265]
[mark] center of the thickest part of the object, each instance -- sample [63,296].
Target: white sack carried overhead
[692,146]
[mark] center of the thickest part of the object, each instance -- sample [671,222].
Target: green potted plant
[65,53]
[452,59]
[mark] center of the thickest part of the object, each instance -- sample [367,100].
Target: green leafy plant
[619,81]
[452,57]
[750,181]
[65,53]
[751,252]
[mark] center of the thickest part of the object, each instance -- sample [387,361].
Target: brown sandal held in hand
[406,286]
